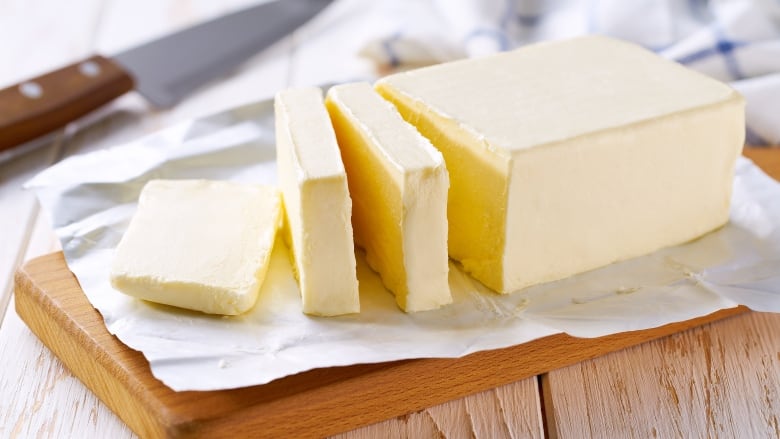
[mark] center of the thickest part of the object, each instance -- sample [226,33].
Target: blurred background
[737,41]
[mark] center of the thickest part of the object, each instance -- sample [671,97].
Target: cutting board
[310,404]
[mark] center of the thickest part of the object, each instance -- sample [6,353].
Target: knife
[163,71]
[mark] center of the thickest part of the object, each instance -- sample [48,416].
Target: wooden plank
[722,380]
[40,397]
[511,411]
[311,404]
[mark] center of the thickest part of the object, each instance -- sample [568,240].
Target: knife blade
[163,71]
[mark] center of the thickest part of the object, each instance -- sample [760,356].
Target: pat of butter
[567,156]
[398,182]
[197,244]
[318,208]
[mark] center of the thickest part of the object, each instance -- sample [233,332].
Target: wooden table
[719,380]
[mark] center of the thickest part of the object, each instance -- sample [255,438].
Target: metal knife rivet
[31,90]
[89,68]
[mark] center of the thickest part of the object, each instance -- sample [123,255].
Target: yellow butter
[567,156]
[398,183]
[318,208]
[197,244]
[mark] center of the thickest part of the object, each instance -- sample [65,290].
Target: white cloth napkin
[737,41]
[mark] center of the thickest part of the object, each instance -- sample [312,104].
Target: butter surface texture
[318,208]
[567,156]
[398,182]
[197,244]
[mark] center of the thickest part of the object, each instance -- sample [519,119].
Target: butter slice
[197,244]
[567,156]
[398,182]
[317,205]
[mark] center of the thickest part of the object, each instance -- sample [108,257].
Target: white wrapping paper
[92,197]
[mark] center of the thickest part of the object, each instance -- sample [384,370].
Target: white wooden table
[719,380]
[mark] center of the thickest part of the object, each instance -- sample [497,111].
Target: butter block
[318,208]
[198,244]
[398,182]
[568,156]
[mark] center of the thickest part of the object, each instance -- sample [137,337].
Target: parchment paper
[92,197]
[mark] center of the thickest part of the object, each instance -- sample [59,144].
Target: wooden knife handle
[41,105]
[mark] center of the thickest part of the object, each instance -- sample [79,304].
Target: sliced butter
[318,209]
[398,183]
[197,244]
[567,156]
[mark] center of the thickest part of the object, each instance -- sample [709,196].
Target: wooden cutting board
[311,404]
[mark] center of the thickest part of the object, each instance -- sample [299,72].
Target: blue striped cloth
[737,41]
